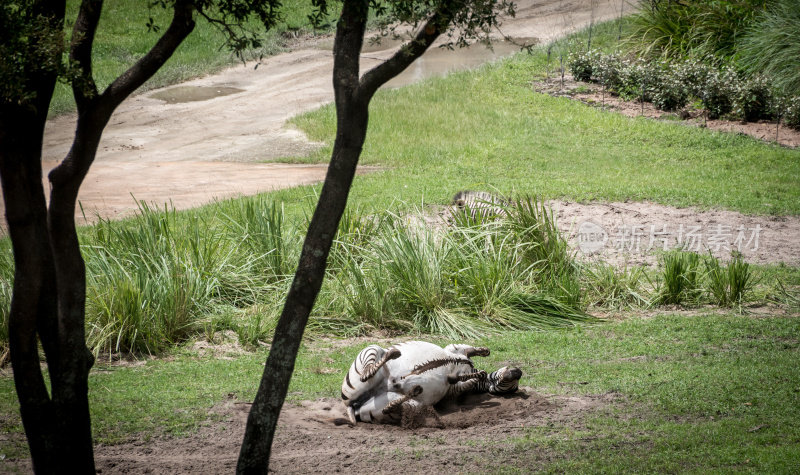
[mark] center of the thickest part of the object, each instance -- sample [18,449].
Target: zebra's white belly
[416,374]
[372,409]
[415,354]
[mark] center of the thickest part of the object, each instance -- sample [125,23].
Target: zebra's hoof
[415,391]
[482,351]
[392,354]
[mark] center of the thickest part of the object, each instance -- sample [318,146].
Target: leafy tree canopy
[468,19]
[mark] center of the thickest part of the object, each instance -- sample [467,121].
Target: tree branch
[347,47]
[182,24]
[80,52]
[94,112]
[409,52]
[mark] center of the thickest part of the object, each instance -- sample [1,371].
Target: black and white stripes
[416,375]
[477,206]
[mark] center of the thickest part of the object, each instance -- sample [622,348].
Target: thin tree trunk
[33,300]
[350,134]
[50,282]
[70,381]
[352,97]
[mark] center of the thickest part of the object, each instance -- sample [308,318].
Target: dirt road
[194,152]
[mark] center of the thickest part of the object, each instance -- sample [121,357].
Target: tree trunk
[350,134]
[57,428]
[255,451]
[50,277]
[33,300]
[352,97]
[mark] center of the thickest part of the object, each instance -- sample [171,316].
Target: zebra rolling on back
[477,206]
[384,384]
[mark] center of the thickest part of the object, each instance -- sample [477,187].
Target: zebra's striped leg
[462,378]
[467,350]
[480,351]
[397,404]
[466,387]
[371,370]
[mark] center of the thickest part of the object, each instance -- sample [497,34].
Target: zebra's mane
[438,363]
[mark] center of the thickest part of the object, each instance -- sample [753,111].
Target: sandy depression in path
[194,152]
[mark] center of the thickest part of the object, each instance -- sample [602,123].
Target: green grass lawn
[691,387]
[488,129]
[690,391]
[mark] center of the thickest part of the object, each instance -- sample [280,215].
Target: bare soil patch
[184,185]
[637,233]
[307,441]
[593,94]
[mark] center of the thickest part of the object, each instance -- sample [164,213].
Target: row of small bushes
[672,84]
[758,36]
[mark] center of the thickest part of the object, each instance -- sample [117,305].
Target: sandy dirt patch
[159,150]
[307,441]
[592,94]
[186,186]
[636,233]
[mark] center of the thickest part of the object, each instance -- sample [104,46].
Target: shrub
[637,78]
[752,99]
[607,71]
[667,91]
[717,95]
[582,64]
[694,75]
[792,113]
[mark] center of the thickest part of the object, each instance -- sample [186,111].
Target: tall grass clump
[476,276]
[786,296]
[264,236]
[356,232]
[252,325]
[6,287]
[698,28]
[610,287]
[771,46]
[681,278]
[544,249]
[728,286]
[416,263]
[151,280]
[496,280]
